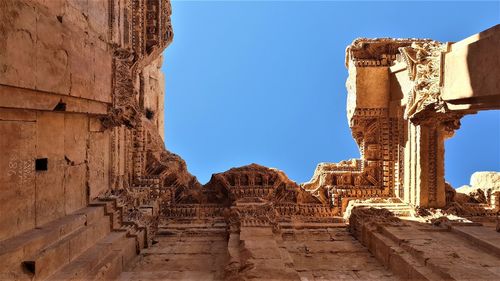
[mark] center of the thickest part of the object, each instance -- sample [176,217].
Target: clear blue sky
[264,81]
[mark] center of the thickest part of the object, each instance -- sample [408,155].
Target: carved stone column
[398,118]
[429,123]
[424,166]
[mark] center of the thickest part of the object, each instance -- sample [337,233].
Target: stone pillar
[254,246]
[233,251]
[424,166]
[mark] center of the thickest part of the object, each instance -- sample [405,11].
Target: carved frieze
[249,196]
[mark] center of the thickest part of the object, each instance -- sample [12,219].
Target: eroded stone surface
[442,250]
[484,187]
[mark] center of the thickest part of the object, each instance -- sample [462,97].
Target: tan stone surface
[59,55]
[484,188]
[50,188]
[59,79]
[81,85]
[436,251]
[400,108]
[486,180]
[17,181]
[471,70]
[181,255]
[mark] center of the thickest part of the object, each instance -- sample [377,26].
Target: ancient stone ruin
[89,192]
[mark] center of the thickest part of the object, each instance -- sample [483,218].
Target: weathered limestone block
[101,65]
[367,87]
[414,250]
[483,188]
[17,180]
[154,94]
[76,129]
[52,59]
[98,178]
[51,47]
[18,46]
[75,187]
[257,255]
[50,183]
[486,180]
[471,70]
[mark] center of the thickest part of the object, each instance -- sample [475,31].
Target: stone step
[104,260]
[137,232]
[116,261]
[488,239]
[23,247]
[167,275]
[54,256]
[112,209]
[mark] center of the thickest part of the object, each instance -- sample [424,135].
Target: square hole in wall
[41,164]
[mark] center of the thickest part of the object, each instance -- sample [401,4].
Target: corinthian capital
[424,64]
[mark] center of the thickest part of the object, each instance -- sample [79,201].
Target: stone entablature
[399,119]
[249,196]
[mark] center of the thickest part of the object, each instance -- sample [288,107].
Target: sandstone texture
[488,182]
[88,190]
[484,188]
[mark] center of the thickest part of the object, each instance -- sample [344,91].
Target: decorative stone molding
[424,64]
[370,52]
[151,176]
[249,196]
[125,110]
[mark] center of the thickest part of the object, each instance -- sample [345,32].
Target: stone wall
[55,79]
[56,47]
[34,192]
[77,81]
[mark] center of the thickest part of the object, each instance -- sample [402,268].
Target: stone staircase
[414,250]
[90,244]
[185,251]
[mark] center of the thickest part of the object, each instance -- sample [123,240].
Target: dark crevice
[60,106]
[29,266]
[150,114]
[41,164]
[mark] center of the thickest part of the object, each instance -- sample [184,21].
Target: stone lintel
[471,72]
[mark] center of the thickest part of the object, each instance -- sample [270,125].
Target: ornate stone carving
[370,52]
[252,215]
[151,175]
[387,125]
[125,110]
[334,184]
[249,196]
[424,63]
